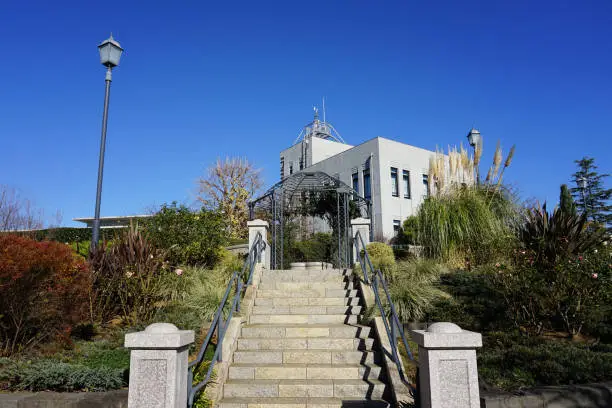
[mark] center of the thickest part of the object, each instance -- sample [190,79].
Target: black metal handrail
[239,281]
[376,279]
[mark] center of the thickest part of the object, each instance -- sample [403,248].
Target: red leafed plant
[44,290]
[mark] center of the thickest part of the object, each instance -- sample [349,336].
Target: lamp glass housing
[474,137]
[110,53]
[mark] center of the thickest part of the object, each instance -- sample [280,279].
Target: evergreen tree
[590,195]
[566,202]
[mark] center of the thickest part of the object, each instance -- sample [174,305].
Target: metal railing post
[219,324]
[219,339]
[375,279]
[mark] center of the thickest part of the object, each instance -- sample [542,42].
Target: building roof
[119,221]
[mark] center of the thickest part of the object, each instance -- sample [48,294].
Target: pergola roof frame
[280,199]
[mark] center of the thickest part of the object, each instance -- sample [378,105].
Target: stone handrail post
[158,366]
[261,226]
[363,226]
[448,375]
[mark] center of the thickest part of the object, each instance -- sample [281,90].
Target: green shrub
[409,231]
[65,234]
[100,354]
[317,248]
[81,248]
[56,376]
[571,295]
[474,303]
[229,262]
[189,238]
[510,361]
[382,257]
[9,373]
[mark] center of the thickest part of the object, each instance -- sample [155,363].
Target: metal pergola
[315,195]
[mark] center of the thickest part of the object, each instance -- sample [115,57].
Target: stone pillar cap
[446,336]
[444,327]
[159,336]
[360,221]
[161,328]
[257,223]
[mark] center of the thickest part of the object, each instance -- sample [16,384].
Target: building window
[394,182]
[301,163]
[406,177]
[356,182]
[367,186]
[396,227]
[282,167]
[426,184]
[290,168]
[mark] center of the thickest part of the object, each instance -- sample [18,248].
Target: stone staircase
[303,347]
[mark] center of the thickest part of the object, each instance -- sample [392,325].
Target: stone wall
[569,396]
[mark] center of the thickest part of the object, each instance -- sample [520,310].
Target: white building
[391,174]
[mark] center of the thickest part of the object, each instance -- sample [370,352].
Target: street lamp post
[583,186]
[110,53]
[474,140]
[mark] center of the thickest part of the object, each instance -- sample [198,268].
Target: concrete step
[301,402]
[303,319]
[308,285]
[302,301]
[301,356]
[305,372]
[307,293]
[277,310]
[304,276]
[336,388]
[282,271]
[301,330]
[297,343]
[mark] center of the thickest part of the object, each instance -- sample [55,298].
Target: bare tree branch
[227,187]
[16,212]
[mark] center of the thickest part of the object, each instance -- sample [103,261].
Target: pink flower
[580,258]
[594,276]
[179,272]
[497,265]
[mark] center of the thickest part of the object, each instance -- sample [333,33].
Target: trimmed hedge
[65,234]
[511,361]
[57,376]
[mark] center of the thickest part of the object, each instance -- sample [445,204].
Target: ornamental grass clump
[466,222]
[415,289]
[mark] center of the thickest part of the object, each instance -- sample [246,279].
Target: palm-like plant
[556,235]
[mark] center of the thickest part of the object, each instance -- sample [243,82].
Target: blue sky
[205,79]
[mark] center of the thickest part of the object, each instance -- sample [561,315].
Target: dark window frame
[367,184]
[394,182]
[406,180]
[397,226]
